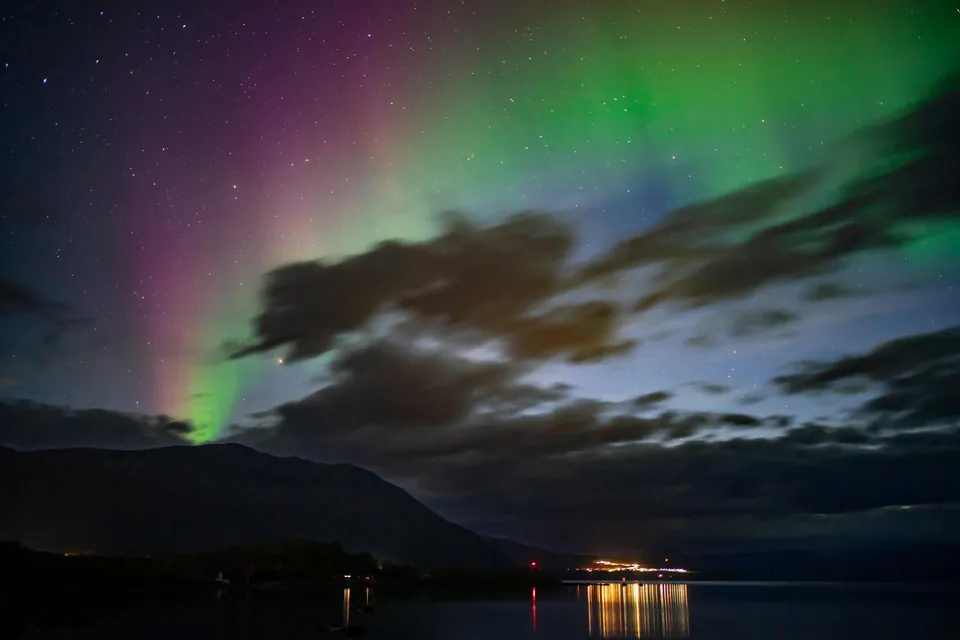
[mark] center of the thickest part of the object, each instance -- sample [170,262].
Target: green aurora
[568,107]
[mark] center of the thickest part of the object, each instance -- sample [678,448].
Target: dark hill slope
[217,496]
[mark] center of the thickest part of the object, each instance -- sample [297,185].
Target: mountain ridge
[199,498]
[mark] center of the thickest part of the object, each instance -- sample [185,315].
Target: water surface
[658,610]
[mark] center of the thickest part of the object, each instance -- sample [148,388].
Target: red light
[533,564]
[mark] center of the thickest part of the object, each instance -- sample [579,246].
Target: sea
[715,610]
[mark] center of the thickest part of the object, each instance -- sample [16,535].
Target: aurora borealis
[593,274]
[187,151]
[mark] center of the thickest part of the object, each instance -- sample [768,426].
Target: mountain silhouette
[213,497]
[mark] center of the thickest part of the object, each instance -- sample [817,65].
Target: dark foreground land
[305,589]
[46,590]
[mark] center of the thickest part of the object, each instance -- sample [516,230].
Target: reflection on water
[637,610]
[346,603]
[534,609]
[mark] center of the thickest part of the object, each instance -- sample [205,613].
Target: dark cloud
[28,425]
[923,441]
[651,399]
[816,434]
[740,323]
[489,278]
[712,388]
[781,422]
[416,404]
[916,379]
[828,291]
[700,340]
[752,323]
[574,474]
[565,477]
[766,234]
[582,333]
[170,425]
[516,398]
[702,229]
[703,490]
[751,399]
[740,420]
[680,425]
[307,306]
[468,283]
[563,431]
[17,299]
[398,386]
[887,361]
[504,283]
[489,449]
[918,179]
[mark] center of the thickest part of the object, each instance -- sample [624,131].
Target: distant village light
[616,567]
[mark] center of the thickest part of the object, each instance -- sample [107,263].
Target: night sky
[685,267]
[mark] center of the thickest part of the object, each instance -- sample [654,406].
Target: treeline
[48,589]
[292,561]
[56,588]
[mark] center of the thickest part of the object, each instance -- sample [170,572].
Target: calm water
[585,611]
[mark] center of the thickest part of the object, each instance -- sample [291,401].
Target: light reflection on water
[615,610]
[534,600]
[346,603]
[636,610]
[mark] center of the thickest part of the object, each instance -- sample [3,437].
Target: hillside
[524,554]
[212,497]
